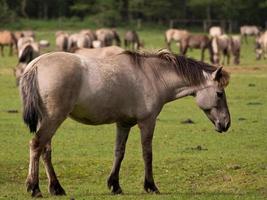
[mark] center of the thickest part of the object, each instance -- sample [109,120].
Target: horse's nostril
[227,125]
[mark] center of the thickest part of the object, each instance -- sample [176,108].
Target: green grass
[230,166]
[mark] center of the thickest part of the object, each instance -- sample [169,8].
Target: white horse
[215,31]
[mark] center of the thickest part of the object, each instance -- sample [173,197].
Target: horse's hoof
[114,186]
[34,189]
[151,187]
[56,189]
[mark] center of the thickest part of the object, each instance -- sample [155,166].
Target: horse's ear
[216,75]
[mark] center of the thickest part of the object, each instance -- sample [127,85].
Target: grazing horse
[221,45]
[246,31]
[107,36]
[261,46]
[175,35]
[235,48]
[215,31]
[99,52]
[7,38]
[131,38]
[202,42]
[62,41]
[126,89]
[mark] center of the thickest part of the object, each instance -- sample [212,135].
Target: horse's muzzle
[219,127]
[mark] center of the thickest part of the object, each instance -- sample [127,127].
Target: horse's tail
[32,110]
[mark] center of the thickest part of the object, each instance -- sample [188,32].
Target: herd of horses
[94,82]
[219,44]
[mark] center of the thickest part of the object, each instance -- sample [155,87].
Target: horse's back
[6,37]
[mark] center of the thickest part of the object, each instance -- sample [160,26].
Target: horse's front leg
[147,129]
[2,50]
[121,139]
[54,186]
[202,54]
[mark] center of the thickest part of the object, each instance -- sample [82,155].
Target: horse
[90,33]
[18,35]
[215,31]
[175,35]
[22,41]
[127,89]
[131,38]
[99,52]
[202,42]
[26,53]
[29,33]
[7,38]
[221,44]
[62,41]
[249,31]
[79,40]
[107,36]
[261,46]
[235,41]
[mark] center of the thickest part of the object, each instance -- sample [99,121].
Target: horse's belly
[91,116]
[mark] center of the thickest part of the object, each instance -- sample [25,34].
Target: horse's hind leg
[54,186]
[121,139]
[37,146]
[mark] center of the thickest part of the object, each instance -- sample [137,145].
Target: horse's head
[212,100]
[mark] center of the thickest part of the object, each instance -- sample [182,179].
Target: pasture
[191,161]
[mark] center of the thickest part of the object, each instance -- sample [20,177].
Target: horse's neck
[170,85]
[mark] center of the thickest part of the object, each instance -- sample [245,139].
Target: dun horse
[126,89]
[246,31]
[198,42]
[221,45]
[261,46]
[28,50]
[131,39]
[175,35]
[107,36]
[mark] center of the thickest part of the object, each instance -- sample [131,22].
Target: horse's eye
[220,94]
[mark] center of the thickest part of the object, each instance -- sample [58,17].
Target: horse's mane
[189,69]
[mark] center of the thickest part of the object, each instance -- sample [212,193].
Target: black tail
[32,112]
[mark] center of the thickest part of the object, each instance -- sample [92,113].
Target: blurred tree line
[119,12]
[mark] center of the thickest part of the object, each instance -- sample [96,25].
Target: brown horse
[7,38]
[131,39]
[99,52]
[201,42]
[126,89]
[175,35]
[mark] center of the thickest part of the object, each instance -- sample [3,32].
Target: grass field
[191,161]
